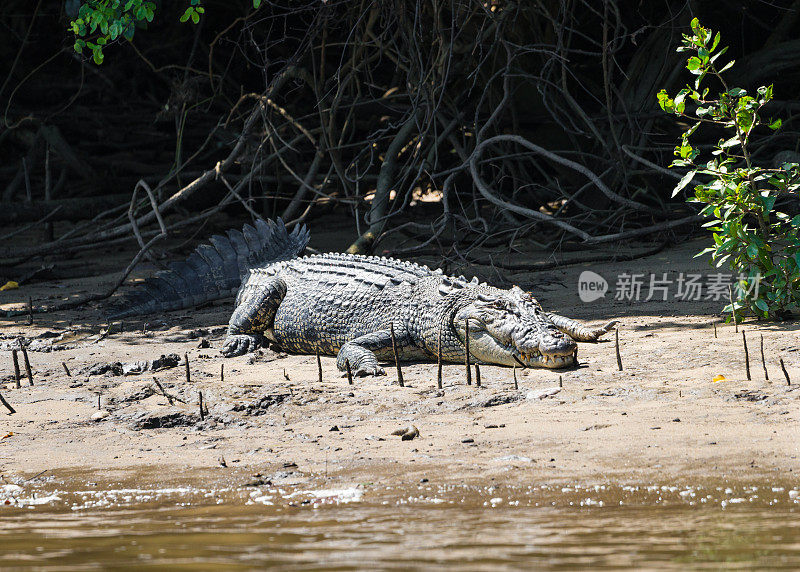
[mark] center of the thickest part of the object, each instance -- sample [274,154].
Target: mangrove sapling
[756,240]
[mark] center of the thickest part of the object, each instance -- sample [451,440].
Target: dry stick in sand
[763,361]
[560,381]
[30,311]
[66,369]
[439,361]
[514,372]
[200,399]
[319,367]
[619,357]
[11,410]
[349,372]
[715,329]
[785,373]
[186,358]
[466,350]
[733,310]
[746,356]
[477,375]
[98,401]
[16,368]
[164,392]
[396,356]
[222,372]
[28,371]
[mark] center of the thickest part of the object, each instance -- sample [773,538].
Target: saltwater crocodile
[349,305]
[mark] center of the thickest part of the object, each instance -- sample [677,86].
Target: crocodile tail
[213,271]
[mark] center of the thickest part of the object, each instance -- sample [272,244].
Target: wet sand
[660,419]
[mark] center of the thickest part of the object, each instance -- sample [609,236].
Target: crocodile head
[510,328]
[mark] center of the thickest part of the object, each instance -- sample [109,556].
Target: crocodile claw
[240,344]
[367,370]
[598,332]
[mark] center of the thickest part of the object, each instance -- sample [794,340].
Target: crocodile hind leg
[578,331]
[254,315]
[360,352]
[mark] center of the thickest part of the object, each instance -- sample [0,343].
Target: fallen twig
[164,392]
[11,410]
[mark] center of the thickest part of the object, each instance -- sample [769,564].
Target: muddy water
[56,527]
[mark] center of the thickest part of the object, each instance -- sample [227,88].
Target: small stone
[542,393]
[468,440]
[334,428]
[99,415]
[204,343]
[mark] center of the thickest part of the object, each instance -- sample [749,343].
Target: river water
[51,526]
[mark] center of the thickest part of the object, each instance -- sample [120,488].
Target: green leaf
[762,305]
[685,180]
[256,4]
[186,15]
[715,43]
[693,63]
[775,125]
[727,66]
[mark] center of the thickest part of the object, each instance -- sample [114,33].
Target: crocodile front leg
[578,331]
[360,352]
[255,311]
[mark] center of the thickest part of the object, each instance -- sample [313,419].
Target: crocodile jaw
[485,348]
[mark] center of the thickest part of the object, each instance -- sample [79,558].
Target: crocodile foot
[240,344]
[361,365]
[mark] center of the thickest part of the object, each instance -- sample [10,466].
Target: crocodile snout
[548,349]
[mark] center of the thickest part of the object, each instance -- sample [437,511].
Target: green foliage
[100,22]
[757,241]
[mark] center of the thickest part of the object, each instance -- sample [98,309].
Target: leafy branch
[757,241]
